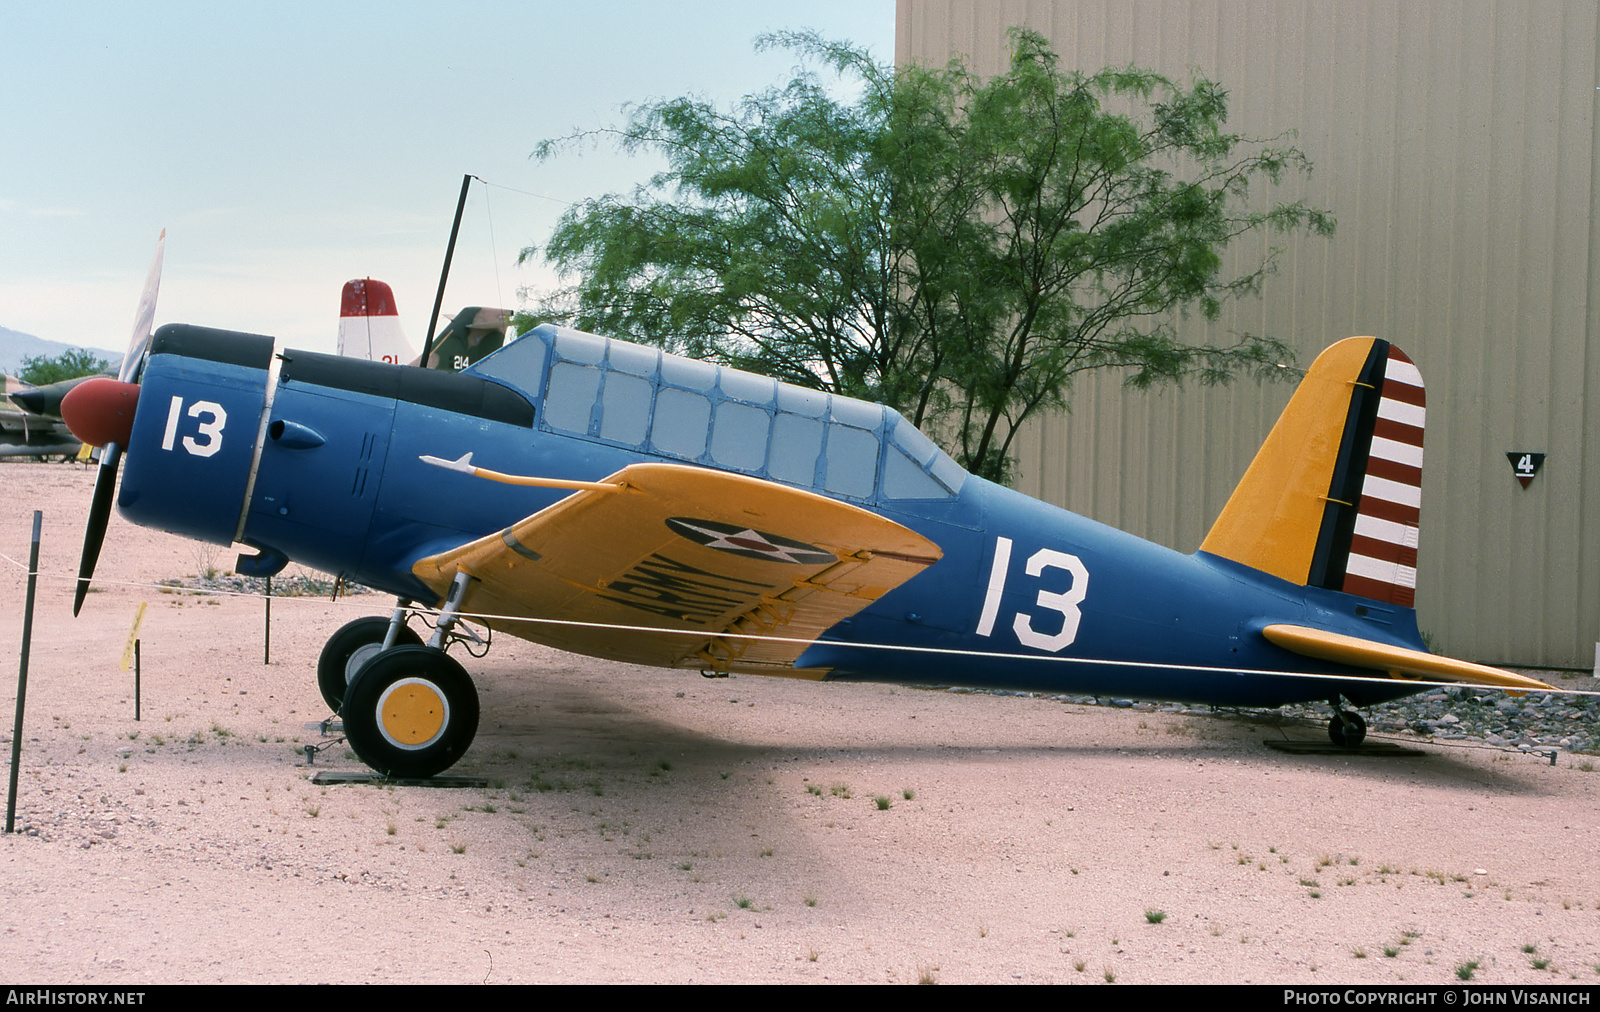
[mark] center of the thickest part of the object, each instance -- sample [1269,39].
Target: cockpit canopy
[646,399]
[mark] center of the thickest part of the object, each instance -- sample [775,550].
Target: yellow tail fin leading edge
[1333,497]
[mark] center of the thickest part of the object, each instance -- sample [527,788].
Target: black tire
[411,712]
[348,650]
[1347,729]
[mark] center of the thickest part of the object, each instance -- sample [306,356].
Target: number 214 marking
[1065,604]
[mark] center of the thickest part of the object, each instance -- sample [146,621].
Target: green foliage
[70,364]
[959,250]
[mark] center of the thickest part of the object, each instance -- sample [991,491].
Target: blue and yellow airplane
[614,500]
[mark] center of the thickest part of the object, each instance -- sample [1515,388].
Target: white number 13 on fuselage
[213,418]
[1065,603]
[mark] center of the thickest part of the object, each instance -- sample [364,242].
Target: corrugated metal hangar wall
[1455,142]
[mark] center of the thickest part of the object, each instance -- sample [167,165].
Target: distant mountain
[16,346]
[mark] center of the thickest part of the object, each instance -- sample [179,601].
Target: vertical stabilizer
[1333,498]
[369,324]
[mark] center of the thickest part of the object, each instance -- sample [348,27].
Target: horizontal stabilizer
[1399,662]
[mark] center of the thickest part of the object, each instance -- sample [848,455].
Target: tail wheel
[1347,729]
[348,651]
[411,712]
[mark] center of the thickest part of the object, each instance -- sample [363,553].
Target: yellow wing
[696,556]
[1398,661]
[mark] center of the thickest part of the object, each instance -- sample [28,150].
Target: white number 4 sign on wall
[1525,465]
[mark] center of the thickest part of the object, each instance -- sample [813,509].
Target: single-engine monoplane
[615,500]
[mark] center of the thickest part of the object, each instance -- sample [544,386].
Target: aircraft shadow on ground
[569,723]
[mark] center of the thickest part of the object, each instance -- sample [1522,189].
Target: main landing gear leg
[449,615]
[1348,728]
[397,623]
[411,710]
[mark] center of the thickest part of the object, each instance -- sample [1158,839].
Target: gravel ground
[1543,723]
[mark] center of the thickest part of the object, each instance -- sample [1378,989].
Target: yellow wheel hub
[412,713]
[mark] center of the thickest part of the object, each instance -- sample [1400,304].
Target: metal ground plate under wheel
[1366,750]
[329,777]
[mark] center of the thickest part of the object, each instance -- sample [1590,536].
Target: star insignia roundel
[752,544]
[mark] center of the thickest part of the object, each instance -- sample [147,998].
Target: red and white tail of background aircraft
[369,328]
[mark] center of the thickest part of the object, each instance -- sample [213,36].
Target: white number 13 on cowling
[213,418]
[1066,603]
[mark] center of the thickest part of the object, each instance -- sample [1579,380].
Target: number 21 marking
[1066,604]
[210,432]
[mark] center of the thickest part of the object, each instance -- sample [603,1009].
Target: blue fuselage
[316,459]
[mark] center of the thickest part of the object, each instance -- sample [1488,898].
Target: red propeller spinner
[100,411]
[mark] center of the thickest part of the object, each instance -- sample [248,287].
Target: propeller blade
[94,533]
[139,343]
[102,414]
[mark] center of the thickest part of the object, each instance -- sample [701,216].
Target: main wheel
[349,649]
[1347,729]
[411,712]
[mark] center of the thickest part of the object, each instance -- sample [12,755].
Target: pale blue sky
[288,147]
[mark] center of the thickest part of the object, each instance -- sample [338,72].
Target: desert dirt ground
[645,826]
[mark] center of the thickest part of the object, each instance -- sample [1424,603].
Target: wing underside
[680,566]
